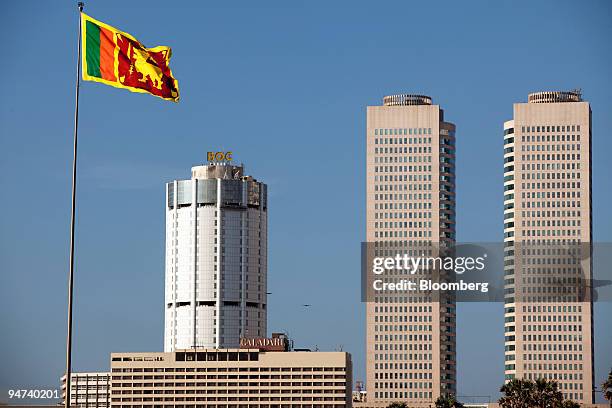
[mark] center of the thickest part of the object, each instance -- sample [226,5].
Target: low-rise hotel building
[228,378]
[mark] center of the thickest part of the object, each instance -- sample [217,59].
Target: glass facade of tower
[216,258]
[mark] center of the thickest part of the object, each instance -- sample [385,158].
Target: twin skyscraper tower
[411,345]
[216,248]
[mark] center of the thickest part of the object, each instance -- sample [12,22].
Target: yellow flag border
[117,84]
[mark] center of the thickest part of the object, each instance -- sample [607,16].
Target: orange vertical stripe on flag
[107,54]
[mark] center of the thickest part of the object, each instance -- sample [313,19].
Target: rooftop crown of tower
[555,96]
[406,100]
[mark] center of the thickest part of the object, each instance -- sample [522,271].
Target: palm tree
[606,387]
[397,405]
[542,393]
[448,401]
[546,394]
[517,394]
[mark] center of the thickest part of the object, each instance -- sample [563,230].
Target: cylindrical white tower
[216,258]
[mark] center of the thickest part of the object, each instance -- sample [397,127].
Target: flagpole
[72,218]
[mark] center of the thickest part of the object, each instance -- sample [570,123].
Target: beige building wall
[547,203]
[231,378]
[410,197]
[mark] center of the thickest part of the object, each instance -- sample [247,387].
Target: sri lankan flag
[117,59]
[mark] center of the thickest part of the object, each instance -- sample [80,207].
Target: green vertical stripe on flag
[92,53]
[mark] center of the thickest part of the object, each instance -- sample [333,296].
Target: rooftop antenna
[578,91]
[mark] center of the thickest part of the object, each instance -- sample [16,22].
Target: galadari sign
[219,156]
[264,343]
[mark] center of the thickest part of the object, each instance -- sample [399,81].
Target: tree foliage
[541,393]
[448,401]
[606,386]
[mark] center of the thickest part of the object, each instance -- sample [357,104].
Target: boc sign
[219,156]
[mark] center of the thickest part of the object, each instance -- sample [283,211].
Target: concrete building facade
[88,390]
[410,199]
[216,258]
[231,378]
[547,243]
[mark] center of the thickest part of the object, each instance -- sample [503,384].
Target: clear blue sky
[284,85]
